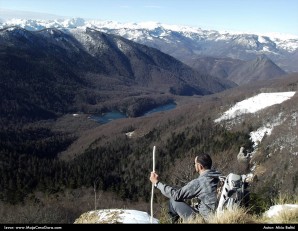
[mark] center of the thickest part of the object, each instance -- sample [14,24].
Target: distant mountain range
[60,71]
[186,43]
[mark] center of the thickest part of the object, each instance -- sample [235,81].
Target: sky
[252,16]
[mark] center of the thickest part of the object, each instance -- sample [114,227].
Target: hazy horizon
[252,16]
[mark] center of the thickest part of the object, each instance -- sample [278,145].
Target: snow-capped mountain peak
[147,25]
[183,41]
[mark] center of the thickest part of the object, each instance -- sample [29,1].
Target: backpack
[232,192]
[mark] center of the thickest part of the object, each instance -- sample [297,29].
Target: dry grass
[242,216]
[236,216]
[285,199]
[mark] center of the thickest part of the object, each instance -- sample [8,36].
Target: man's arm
[188,191]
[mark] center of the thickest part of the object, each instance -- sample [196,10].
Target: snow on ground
[277,209]
[257,136]
[255,103]
[108,216]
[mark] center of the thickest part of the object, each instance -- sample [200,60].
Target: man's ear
[201,167]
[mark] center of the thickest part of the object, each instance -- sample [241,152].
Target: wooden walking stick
[152,190]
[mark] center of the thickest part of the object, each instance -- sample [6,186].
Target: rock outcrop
[115,216]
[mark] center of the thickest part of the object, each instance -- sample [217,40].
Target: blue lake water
[166,107]
[110,116]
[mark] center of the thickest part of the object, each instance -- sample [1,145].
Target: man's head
[202,162]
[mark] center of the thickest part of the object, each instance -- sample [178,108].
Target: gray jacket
[204,188]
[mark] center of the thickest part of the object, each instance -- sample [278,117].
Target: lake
[113,115]
[166,107]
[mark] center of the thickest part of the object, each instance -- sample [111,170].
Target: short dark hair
[205,160]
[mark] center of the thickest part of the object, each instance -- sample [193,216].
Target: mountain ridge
[261,68]
[182,42]
[87,67]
